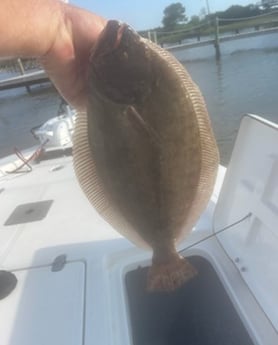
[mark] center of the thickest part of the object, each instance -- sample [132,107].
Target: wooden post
[155,37]
[22,71]
[217,43]
[21,67]
[149,35]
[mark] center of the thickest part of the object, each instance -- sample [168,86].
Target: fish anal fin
[169,276]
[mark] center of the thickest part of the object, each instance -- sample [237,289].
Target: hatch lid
[45,307]
[251,187]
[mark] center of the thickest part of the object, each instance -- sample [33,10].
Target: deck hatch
[200,312]
[27,213]
[45,308]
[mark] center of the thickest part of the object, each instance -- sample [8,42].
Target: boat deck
[47,222]
[67,219]
[71,266]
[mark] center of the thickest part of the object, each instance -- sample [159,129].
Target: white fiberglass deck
[82,300]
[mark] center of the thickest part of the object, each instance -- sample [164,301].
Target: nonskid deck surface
[44,208]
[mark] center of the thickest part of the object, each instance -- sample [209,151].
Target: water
[19,112]
[244,80]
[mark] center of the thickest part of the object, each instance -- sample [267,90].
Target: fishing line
[218,232]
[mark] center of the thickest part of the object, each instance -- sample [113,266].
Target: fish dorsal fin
[85,170]
[208,146]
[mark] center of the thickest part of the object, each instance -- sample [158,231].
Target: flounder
[144,152]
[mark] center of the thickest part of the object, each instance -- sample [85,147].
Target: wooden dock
[223,39]
[38,77]
[24,80]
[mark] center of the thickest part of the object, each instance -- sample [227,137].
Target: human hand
[60,35]
[67,60]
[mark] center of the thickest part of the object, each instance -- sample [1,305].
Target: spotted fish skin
[144,152]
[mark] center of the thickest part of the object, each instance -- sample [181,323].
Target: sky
[147,14]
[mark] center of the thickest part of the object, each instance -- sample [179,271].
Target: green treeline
[177,27]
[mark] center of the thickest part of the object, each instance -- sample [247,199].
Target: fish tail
[169,276]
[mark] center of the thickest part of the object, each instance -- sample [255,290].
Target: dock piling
[155,37]
[217,42]
[22,71]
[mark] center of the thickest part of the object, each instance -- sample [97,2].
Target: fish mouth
[120,69]
[109,39]
[121,29]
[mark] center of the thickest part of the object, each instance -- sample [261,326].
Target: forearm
[29,27]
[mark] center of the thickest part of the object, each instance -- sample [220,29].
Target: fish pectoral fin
[135,116]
